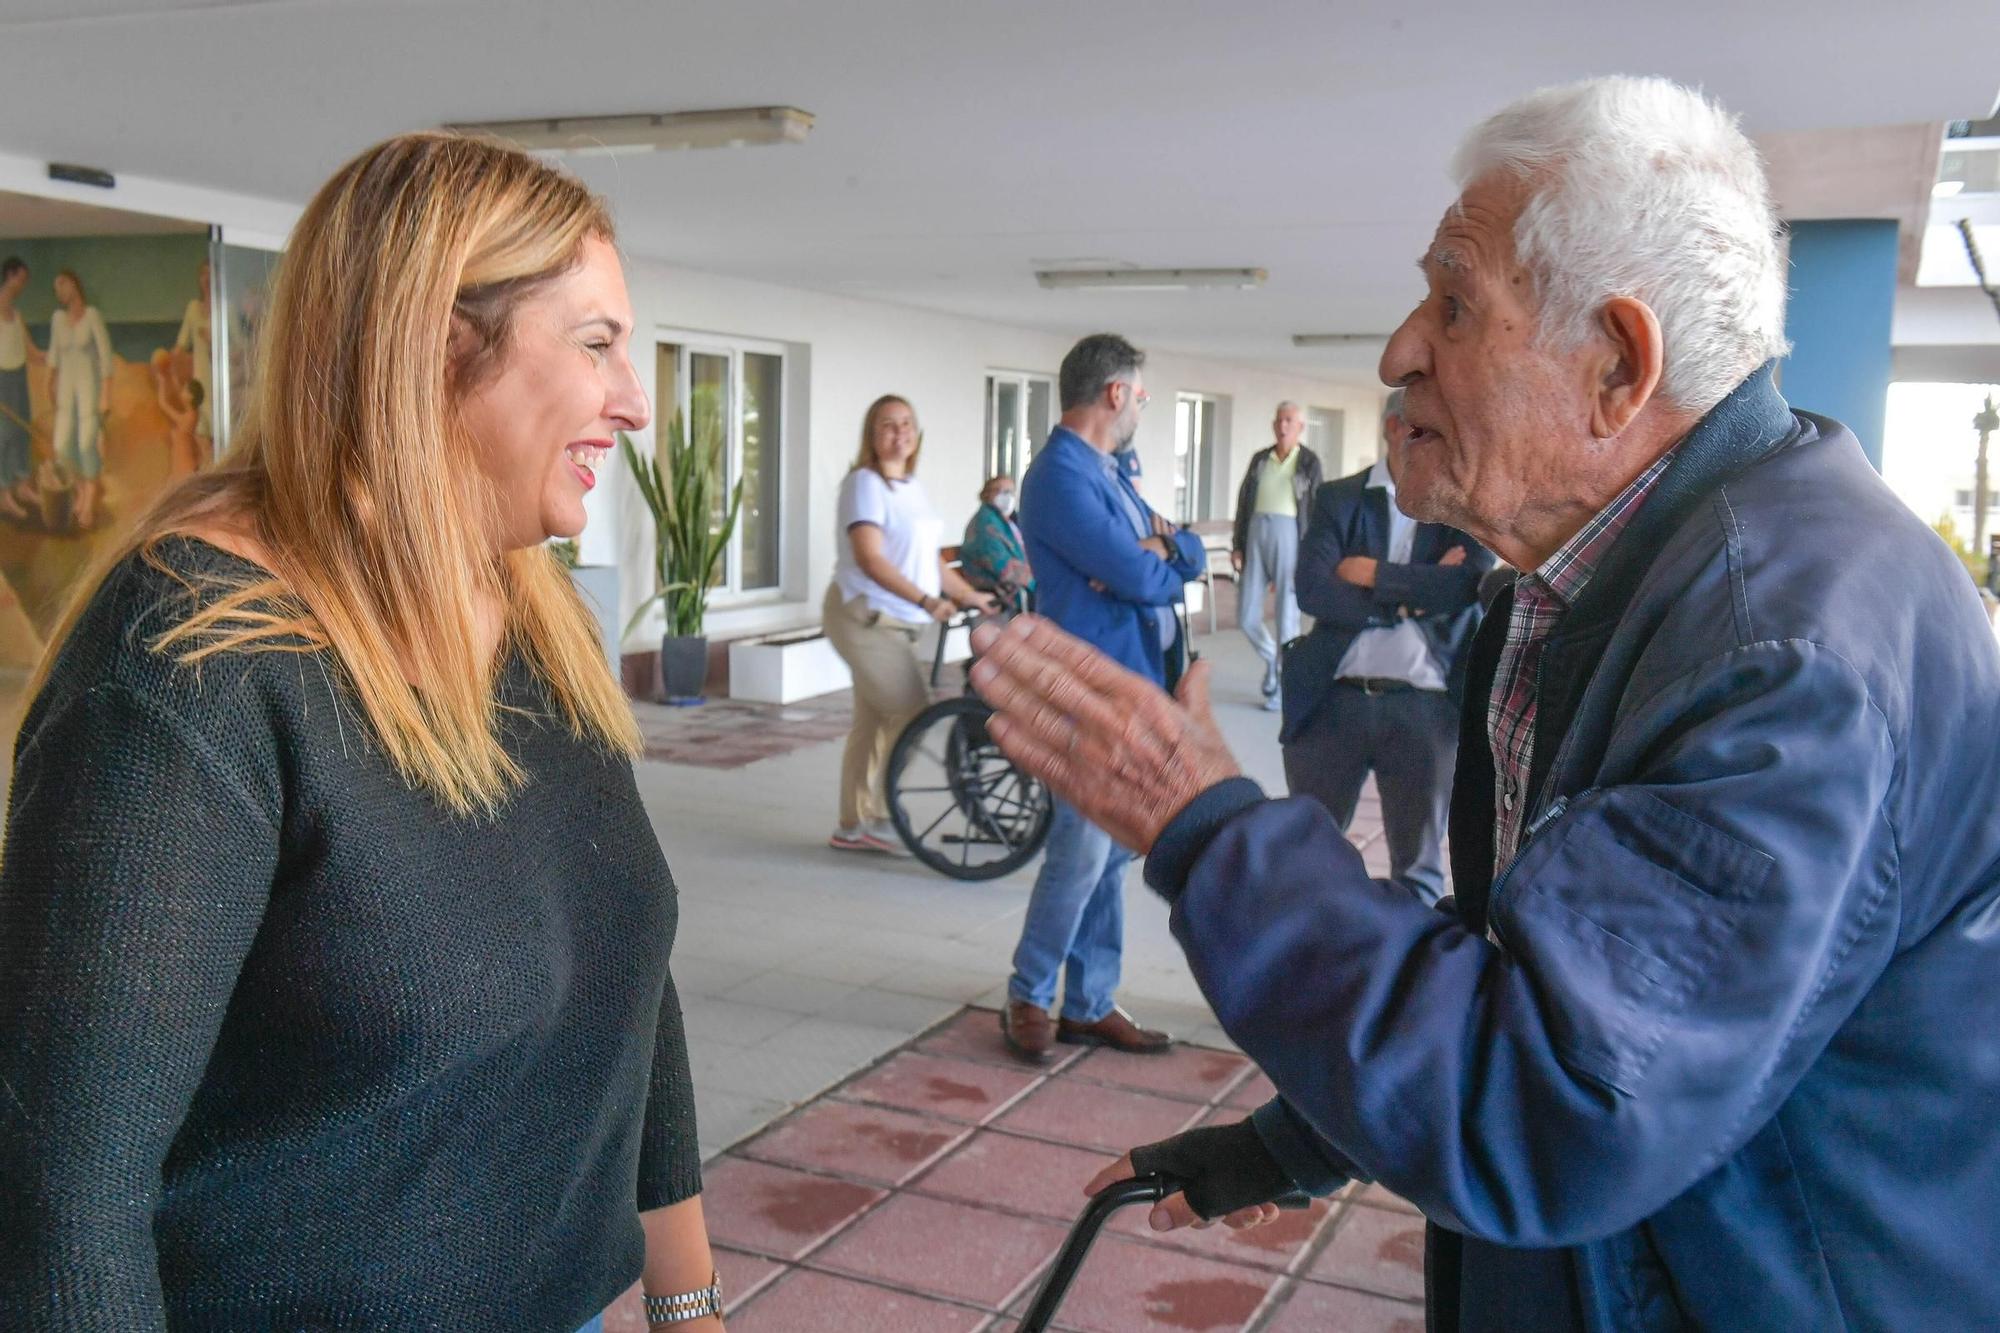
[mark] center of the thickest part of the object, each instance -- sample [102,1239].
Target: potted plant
[691,531]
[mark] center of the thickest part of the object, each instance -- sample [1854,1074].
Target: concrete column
[1842,302]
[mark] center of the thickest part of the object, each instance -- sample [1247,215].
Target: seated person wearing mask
[994,552]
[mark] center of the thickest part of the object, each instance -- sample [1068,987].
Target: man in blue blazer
[1378,683]
[1110,571]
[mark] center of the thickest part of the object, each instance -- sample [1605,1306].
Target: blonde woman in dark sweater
[335,936]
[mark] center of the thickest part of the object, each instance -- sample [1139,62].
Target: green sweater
[283,1044]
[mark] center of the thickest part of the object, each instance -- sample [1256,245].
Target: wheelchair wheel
[960,805]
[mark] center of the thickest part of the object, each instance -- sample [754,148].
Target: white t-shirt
[912,536]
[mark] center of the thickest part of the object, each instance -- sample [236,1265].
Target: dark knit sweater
[283,1044]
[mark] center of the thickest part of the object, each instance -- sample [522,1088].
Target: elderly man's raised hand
[1108,741]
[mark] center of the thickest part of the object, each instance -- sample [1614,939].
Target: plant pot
[683,667]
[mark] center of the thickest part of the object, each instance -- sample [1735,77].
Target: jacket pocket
[1619,913]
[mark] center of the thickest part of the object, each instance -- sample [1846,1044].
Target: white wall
[858,349]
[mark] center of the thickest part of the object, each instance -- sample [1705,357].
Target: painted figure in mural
[183,402]
[194,340]
[17,353]
[80,350]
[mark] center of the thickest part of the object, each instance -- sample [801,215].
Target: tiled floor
[932,1190]
[797,965]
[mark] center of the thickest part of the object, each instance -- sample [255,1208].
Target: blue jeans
[1076,920]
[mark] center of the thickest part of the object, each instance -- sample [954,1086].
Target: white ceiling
[959,146]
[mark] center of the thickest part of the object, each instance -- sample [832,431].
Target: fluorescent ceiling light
[1946,189]
[1337,339]
[600,136]
[1149,279]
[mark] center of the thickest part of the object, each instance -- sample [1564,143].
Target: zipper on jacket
[1549,816]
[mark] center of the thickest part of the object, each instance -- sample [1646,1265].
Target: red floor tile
[1274,1245]
[823,1303]
[1185,1073]
[944,1248]
[775,1210]
[870,1142]
[1377,1250]
[934,1085]
[1091,1115]
[1128,1288]
[1023,1175]
[975,1035]
[1252,1093]
[1312,1308]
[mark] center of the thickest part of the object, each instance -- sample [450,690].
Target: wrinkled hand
[1174,1212]
[1108,741]
[939,609]
[1158,546]
[1453,558]
[1358,570]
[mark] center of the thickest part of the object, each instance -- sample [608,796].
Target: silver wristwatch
[687,1306]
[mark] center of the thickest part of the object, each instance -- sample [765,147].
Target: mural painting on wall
[106,366]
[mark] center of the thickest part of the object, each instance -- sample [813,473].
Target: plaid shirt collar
[1541,598]
[1564,574]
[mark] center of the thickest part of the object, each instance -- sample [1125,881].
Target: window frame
[689,343]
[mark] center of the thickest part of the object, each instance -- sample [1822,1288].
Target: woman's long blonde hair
[353,473]
[867,457]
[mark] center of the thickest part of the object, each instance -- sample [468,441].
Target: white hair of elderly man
[1643,188]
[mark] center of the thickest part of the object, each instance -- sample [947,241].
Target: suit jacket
[1079,530]
[1350,518]
[1717,1049]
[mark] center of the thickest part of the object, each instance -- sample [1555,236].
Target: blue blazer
[1348,518]
[1078,530]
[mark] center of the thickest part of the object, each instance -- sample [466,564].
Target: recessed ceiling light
[1149,279]
[1336,339]
[598,136]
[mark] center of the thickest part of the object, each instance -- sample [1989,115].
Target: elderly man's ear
[1631,360]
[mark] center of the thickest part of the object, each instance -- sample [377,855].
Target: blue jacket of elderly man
[1084,520]
[1719,1047]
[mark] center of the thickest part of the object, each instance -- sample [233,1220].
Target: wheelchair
[957,801]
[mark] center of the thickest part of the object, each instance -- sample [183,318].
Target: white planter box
[782,672]
[785,670]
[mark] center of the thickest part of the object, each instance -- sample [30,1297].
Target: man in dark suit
[1378,683]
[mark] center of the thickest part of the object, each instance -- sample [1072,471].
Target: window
[734,389]
[1020,413]
[1194,448]
[1324,428]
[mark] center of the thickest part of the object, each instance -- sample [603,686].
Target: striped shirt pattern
[1541,599]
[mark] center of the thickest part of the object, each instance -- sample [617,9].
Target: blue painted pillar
[1843,300]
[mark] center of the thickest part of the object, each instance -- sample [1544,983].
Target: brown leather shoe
[1030,1032]
[1116,1030]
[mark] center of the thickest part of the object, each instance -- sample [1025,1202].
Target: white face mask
[1004,502]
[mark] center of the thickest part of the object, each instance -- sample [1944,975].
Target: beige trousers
[889,690]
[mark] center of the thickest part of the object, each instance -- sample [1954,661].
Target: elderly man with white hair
[1707,1037]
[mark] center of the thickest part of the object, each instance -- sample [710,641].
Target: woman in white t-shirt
[889,581]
